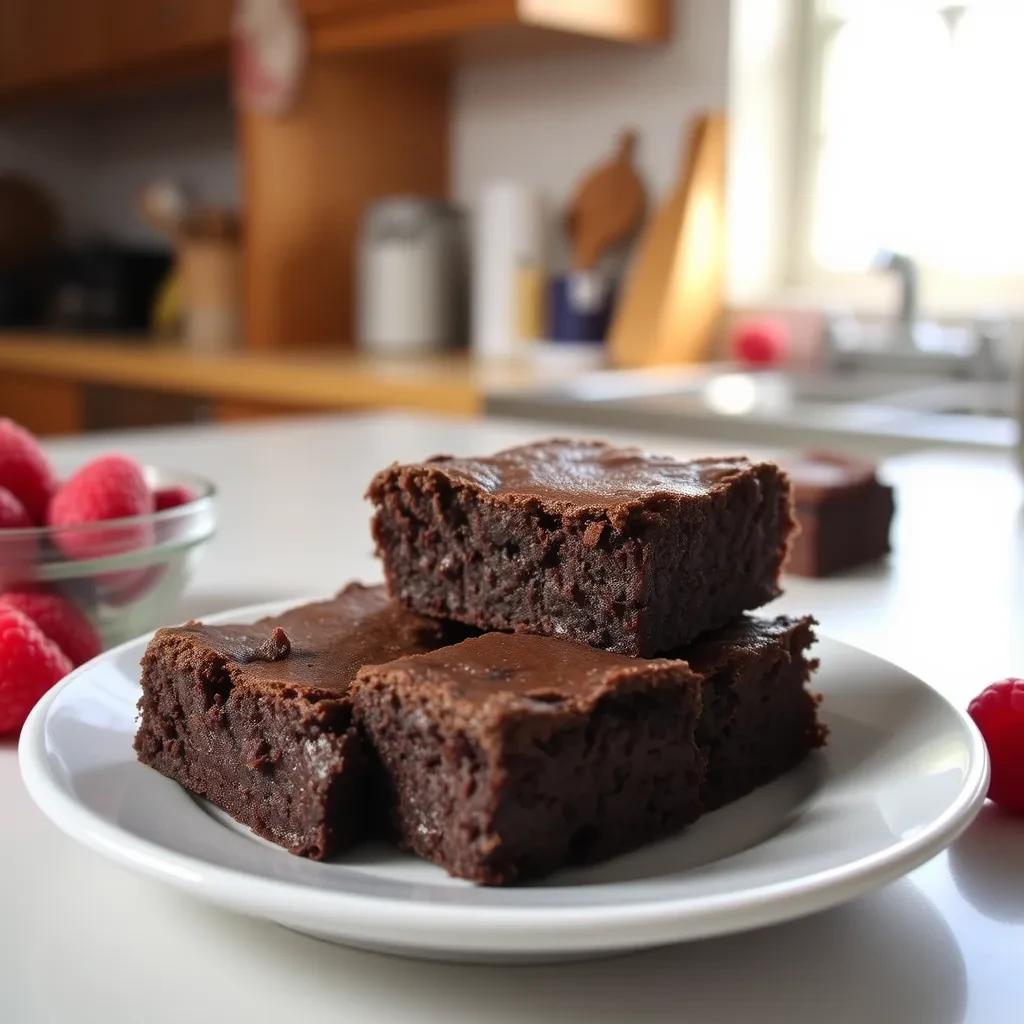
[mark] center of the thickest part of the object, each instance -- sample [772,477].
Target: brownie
[509,755]
[601,545]
[257,719]
[843,512]
[758,719]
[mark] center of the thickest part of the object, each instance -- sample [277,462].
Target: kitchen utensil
[210,272]
[672,297]
[581,305]
[607,206]
[409,276]
[164,205]
[206,284]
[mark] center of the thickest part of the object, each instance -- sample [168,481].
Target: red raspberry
[18,550]
[12,513]
[59,619]
[998,711]
[760,343]
[24,470]
[172,496]
[110,487]
[29,665]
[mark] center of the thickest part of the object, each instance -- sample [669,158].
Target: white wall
[545,120]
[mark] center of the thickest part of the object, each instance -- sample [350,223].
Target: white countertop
[83,941]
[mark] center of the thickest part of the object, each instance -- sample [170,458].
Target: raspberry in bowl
[86,560]
[107,549]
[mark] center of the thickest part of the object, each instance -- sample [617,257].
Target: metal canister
[410,288]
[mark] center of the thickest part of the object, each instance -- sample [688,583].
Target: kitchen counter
[293,380]
[87,942]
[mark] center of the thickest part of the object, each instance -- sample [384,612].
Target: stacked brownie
[844,511]
[614,689]
[257,719]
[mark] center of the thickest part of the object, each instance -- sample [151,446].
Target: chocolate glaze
[507,756]
[818,476]
[746,635]
[498,670]
[317,648]
[600,545]
[588,475]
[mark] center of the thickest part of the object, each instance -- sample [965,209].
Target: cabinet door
[45,42]
[138,32]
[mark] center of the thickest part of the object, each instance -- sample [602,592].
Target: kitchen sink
[886,413]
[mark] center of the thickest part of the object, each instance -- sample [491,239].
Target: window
[910,136]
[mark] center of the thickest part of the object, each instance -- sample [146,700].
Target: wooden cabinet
[49,45]
[44,42]
[371,118]
[139,32]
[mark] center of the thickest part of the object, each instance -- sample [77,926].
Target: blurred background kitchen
[788,222]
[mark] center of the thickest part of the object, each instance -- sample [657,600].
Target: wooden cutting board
[607,207]
[672,297]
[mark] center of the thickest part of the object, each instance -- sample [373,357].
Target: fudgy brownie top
[820,476]
[584,475]
[315,649]
[743,639]
[487,677]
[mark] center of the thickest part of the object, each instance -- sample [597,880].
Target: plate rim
[427,923]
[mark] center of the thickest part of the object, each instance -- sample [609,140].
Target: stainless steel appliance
[410,289]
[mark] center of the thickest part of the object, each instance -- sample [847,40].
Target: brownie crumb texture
[619,688]
[600,545]
[507,756]
[257,718]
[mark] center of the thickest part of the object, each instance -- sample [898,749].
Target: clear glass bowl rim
[205,490]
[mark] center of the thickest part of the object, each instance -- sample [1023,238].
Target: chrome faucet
[909,344]
[905,269]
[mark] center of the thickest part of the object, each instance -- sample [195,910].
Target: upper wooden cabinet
[144,30]
[48,41]
[46,45]
[363,126]
[55,45]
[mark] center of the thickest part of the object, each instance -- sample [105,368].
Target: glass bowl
[122,573]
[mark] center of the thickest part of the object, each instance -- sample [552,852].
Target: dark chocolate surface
[844,513]
[737,642]
[328,641]
[588,475]
[505,757]
[499,671]
[820,475]
[257,718]
[758,719]
[584,541]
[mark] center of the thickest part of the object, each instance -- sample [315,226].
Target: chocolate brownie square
[507,756]
[605,546]
[843,511]
[257,718]
[758,719]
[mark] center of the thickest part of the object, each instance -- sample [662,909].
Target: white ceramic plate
[902,776]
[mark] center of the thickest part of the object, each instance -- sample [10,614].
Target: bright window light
[912,137]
